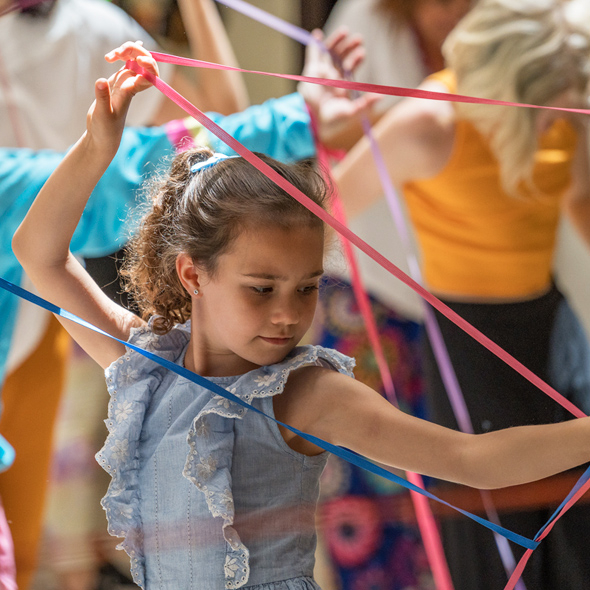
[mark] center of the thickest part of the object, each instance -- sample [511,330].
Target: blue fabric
[569,358]
[206,493]
[279,127]
[102,228]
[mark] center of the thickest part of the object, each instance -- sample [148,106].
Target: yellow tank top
[476,240]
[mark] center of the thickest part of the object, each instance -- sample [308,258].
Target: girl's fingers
[149,64]
[102,92]
[128,50]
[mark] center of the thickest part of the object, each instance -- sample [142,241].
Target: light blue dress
[206,494]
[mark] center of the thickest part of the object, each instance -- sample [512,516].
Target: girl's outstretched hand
[106,117]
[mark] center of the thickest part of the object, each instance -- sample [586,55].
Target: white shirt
[393,58]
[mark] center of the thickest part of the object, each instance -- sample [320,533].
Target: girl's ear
[188,274]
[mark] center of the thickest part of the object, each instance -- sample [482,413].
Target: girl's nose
[286,312]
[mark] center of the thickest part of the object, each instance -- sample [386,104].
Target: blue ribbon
[341,452]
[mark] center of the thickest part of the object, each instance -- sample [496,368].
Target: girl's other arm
[41,243]
[345,412]
[416,139]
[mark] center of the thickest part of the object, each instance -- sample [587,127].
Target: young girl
[226,266]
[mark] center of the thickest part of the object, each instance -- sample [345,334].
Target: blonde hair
[527,51]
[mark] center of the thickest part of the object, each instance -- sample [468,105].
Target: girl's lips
[277,341]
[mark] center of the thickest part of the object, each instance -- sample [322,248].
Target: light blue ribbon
[216,157]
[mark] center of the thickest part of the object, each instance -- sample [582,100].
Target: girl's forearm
[526,453]
[44,236]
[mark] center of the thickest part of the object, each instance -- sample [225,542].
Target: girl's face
[260,301]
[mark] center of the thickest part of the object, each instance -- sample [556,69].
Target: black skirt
[498,397]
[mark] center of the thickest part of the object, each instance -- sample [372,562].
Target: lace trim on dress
[137,378]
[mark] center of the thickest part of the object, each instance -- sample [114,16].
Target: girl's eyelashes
[309,289]
[261,290]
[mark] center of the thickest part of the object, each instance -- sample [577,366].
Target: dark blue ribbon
[341,452]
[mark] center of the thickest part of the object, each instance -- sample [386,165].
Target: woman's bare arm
[211,90]
[576,201]
[416,139]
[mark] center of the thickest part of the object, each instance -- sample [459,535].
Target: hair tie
[216,157]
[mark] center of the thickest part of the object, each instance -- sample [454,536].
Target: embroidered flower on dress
[126,512]
[265,380]
[221,401]
[128,375]
[299,358]
[122,411]
[202,427]
[226,499]
[148,341]
[231,566]
[206,467]
[121,450]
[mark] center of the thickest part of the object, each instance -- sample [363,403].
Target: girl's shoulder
[133,366]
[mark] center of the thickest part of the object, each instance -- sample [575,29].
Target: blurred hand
[334,110]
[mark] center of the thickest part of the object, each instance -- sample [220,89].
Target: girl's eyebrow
[271,277]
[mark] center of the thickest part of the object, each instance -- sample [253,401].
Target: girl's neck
[208,364]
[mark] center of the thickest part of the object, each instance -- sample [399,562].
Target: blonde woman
[485,188]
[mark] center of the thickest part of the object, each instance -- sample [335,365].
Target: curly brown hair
[200,214]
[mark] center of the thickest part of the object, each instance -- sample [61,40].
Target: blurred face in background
[435,19]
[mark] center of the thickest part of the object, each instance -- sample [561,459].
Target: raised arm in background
[214,90]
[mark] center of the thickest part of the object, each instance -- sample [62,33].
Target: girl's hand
[106,118]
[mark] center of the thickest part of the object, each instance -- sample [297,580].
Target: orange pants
[30,400]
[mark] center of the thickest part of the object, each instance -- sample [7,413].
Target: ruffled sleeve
[131,381]
[211,442]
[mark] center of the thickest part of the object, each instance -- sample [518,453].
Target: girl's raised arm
[345,412]
[42,242]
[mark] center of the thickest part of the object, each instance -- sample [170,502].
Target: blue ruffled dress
[206,494]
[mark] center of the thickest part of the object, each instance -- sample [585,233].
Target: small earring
[196,291]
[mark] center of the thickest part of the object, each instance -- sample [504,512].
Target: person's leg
[30,399]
